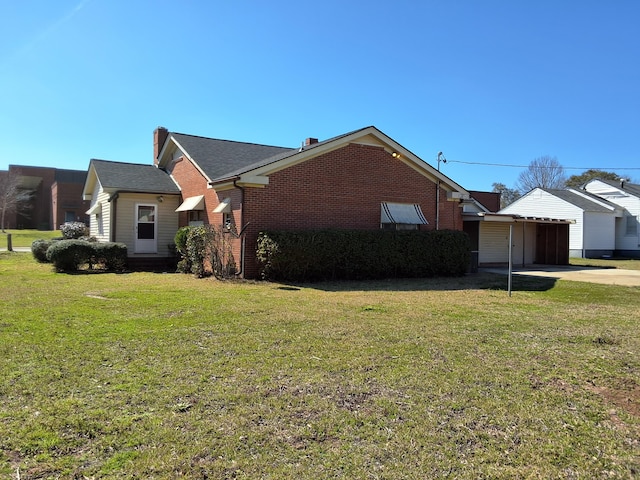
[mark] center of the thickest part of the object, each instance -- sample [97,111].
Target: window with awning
[95,209]
[224,206]
[192,203]
[402,214]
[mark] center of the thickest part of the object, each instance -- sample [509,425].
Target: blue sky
[488,83]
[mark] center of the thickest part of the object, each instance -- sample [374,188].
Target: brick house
[360,180]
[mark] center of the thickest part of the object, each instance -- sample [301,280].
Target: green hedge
[71,255]
[361,254]
[39,248]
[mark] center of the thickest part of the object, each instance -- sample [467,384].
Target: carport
[534,240]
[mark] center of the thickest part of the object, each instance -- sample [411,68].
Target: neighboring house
[591,235]
[359,180]
[135,205]
[627,197]
[55,197]
[527,238]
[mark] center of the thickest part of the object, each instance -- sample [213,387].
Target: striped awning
[192,203]
[408,213]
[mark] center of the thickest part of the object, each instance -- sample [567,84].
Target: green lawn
[164,376]
[24,238]
[627,263]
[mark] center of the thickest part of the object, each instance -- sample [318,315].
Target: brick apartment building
[56,197]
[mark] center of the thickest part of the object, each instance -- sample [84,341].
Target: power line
[542,166]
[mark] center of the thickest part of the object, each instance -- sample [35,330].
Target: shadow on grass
[475,281]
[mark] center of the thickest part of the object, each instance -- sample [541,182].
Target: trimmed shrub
[361,254]
[39,249]
[70,255]
[112,256]
[74,230]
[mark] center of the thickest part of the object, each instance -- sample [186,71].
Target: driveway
[608,276]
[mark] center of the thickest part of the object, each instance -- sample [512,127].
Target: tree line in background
[547,172]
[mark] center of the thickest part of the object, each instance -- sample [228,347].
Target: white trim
[96,209]
[224,206]
[192,203]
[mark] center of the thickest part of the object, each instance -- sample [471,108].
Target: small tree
[11,195]
[543,172]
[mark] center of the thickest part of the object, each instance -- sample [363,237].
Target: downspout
[523,243]
[240,233]
[438,205]
[113,200]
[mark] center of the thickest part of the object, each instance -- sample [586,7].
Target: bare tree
[11,195]
[507,195]
[543,172]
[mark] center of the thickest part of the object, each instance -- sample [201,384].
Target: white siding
[494,243]
[598,228]
[524,243]
[539,203]
[167,220]
[99,225]
[629,202]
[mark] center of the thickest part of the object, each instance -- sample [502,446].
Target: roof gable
[586,201]
[215,157]
[616,188]
[224,161]
[120,176]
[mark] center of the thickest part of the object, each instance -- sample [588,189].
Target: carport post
[510,259]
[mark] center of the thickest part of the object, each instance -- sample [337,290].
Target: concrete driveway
[608,276]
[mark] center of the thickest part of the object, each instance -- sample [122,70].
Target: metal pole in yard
[510,259]
[9,243]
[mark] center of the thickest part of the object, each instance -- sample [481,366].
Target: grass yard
[165,376]
[626,263]
[24,238]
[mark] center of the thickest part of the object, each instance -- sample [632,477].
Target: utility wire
[608,169]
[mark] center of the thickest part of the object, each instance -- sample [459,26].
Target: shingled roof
[220,158]
[584,200]
[133,177]
[632,188]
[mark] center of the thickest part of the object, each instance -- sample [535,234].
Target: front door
[146,228]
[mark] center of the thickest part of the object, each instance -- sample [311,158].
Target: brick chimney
[160,135]
[310,141]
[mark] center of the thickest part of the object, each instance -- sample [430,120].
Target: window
[400,226]
[401,216]
[69,216]
[196,218]
[227,221]
[632,226]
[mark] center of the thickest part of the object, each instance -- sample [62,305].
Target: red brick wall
[67,197]
[340,189]
[39,214]
[193,183]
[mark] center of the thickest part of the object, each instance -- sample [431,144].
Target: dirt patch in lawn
[625,396]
